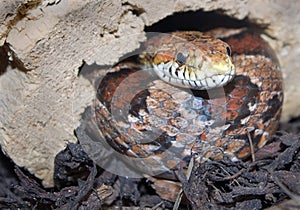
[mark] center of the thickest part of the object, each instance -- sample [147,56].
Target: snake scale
[193,95]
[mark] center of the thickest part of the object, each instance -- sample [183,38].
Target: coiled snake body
[202,103]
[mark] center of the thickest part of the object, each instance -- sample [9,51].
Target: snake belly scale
[185,111]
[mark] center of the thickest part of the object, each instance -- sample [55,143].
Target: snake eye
[228,51]
[181,58]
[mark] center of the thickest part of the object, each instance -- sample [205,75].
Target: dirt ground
[271,181]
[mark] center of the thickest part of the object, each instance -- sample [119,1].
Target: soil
[271,181]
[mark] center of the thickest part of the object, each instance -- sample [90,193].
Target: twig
[251,146]
[157,205]
[292,195]
[188,174]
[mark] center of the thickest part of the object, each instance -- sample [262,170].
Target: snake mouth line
[172,73]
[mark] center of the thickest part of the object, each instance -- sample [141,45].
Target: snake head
[191,60]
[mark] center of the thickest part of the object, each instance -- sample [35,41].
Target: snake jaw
[211,75]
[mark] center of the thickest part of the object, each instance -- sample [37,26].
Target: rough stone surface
[41,107]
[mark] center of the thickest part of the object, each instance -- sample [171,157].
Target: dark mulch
[272,179]
[247,185]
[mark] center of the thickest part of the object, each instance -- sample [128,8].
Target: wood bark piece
[41,106]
